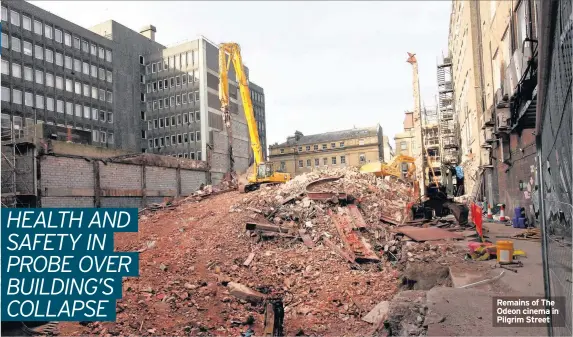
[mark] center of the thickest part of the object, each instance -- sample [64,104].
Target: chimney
[149,32]
[298,135]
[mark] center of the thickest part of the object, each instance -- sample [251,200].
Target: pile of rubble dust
[195,254]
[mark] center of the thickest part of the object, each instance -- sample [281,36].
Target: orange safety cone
[502,213]
[489,214]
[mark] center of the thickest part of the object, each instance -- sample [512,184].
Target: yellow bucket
[504,251]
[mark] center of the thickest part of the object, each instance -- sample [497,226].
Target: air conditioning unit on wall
[503,119]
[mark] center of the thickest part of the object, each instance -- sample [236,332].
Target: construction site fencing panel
[555,167]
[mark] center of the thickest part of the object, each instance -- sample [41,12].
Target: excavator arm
[234,52]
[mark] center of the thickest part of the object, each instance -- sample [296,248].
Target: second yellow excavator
[393,169]
[260,172]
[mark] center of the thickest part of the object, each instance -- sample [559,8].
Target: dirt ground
[190,252]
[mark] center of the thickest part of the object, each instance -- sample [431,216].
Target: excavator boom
[261,172]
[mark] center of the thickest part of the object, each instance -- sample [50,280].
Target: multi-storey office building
[57,73]
[258,99]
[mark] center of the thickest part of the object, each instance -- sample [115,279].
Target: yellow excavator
[260,172]
[393,169]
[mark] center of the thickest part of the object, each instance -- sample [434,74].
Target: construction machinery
[260,172]
[393,169]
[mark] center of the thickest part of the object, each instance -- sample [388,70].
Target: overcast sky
[324,66]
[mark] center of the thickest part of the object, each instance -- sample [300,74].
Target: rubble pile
[208,267]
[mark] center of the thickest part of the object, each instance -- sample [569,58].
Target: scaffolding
[18,186]
[449,138]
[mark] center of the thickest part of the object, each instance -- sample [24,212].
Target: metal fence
[555,166]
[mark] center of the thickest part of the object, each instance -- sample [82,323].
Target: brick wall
[522,169]
[72,182]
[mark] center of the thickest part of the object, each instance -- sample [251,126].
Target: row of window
[51,104]
[324,161]
[60,60]
[171,82]
[173,140]
[102,137]
[66,84]
[184,155]
[179,61]
[57,34]
[173,101]
[184,119]
[315,147]
[256,97]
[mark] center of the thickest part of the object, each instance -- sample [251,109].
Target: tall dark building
[258,98]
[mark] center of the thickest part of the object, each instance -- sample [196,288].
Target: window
[300,163]
[316,162]
[282,151]
[195,75]
[362,157]
[49,56]
[87,112]
[183,79]
[332,145]
[160,85]
[59,83]
[76,42]
[110,139]
[171,101]
[28,99]
[324,146]
[108,76]
[155,124]
[333,160]
[308,147]
[324,161]
[177,81]
[93,49]
[4,13]
[153,68]
[101,95]
[58,35]
[300,149]
[93,71]
[48,31]
[60,106]
[102,115]
[95,114]
[26,22]
[49,104]
[16,96]
[68,62]
[28,74]
[179,139]
[341,144]
[184,99]
[160,105]
[39,52]
[199,155]
[77,65]
[191,136]
[343,159]
[185,138]
[165,85]
[5,67]
[308,163]
[191,116]
[16,44]
[5,91]
[361,141]
[155,105]
[196,96]
[197,115]
[39,76]
[14,18]
[95,135]
[159,66]
[85,46]
[59,59]
[67,39]
[173,140]
[5,43]
[171,82]
[87,90]
[109,97]
[178,119]
[85,68]
[148,88]
[178,99]
[198,135]
[16,70]
[39,101]
[165,102]
[69,85]
[150,143]
[78,88]
[403,146]
[69,108]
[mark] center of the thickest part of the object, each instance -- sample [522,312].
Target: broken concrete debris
[218,275]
